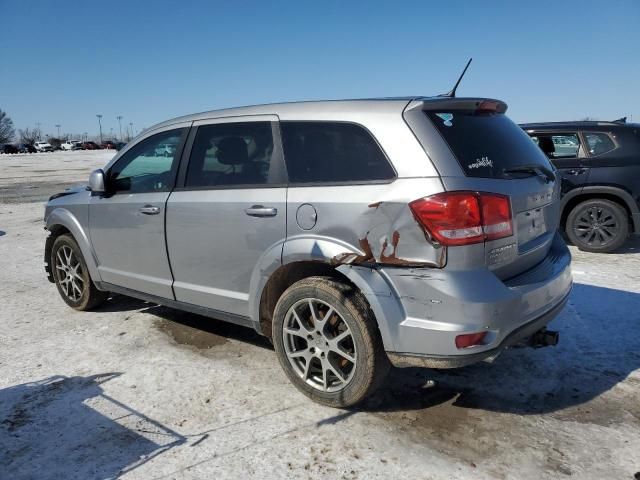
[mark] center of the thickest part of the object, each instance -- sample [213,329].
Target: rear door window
[332,152]
[560,145]
[486,143]
[233,154]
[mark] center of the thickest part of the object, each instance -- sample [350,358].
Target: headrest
[546,144]
[232,151]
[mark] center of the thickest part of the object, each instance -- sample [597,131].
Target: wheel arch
[55,231]
[301,259]
[61,221]
[614,194]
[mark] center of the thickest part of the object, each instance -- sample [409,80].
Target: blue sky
[63,62]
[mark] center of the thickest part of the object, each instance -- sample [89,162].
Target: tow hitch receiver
[544,338]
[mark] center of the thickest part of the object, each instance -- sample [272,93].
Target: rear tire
[71,275]
[598,226]
[328,343]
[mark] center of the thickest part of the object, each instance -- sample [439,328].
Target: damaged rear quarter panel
[369,224]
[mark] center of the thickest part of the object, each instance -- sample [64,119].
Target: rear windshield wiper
[547,173]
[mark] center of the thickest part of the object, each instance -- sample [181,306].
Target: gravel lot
[141,391]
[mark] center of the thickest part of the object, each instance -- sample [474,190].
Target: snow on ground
[146,392]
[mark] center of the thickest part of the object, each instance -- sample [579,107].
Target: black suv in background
[599,163]
[8,148]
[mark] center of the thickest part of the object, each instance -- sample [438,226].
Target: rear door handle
[150,210]
[260,211]
[576,171]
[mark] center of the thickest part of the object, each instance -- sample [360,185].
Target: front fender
[63,217]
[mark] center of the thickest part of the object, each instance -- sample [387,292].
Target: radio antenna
[452,93]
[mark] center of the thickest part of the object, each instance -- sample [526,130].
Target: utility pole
[58,127]
[38,127]
[119,117]
[132,132]
[100,125]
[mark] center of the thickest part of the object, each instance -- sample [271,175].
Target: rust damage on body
[393,258]
[389,235]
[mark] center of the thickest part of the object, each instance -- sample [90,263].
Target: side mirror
[96,181]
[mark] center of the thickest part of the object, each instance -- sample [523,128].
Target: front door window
[149,166]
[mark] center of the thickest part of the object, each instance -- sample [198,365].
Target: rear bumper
[456,361]
[439,305]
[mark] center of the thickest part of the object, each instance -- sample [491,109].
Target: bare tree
[56,143]
[29,137]
[6,128]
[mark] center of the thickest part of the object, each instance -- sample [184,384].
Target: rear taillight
[463,218]
[496,216]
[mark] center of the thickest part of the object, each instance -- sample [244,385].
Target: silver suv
[355,234]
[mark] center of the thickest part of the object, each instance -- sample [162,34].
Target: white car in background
[71,145]
[43,147]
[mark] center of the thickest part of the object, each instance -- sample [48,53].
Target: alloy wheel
[69,273]
[596,226]
[319,345]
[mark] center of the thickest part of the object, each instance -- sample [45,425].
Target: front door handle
[576,171]
[260,211]
[150,210]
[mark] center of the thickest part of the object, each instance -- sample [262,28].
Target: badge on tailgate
[537,224]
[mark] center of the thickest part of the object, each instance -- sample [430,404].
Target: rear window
[599,143]
[486,143]
[332,152]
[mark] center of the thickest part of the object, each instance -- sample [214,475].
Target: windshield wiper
[541,170]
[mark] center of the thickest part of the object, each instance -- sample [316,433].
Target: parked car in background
[108,144]
[26,148]
[599,163]
[90,146]
[119,145]
[71,145]
[362,251]
[8,148]
[43,147]
[165,149]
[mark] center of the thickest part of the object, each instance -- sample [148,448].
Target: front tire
[328,343]
[71,275]
[598,226]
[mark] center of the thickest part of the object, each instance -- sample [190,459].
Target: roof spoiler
[461,103]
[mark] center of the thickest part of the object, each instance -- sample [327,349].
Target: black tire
[598,226]
[89,297]
[371,363]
